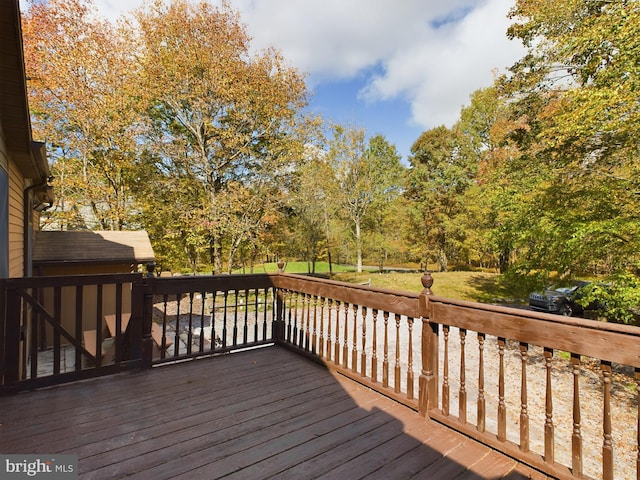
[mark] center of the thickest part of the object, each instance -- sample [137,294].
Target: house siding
[4,209]
[16,221]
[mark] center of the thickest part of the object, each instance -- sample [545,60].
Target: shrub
[617,300]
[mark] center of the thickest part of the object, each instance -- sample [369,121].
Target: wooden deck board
[266,413]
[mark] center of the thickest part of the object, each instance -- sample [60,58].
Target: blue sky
[393,67]
[340,101]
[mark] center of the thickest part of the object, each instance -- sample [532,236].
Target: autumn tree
[490,205]
[575,98]
[384,240]
[368,174]
[80,73]
[220,116]
[312,207]
[583,56]
[441,171]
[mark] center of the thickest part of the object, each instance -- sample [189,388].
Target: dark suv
[559,300]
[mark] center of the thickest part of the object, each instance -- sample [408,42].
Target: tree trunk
[216,253]
[232,253]
[443,263]
[326,228]
[504,260]
[358,247]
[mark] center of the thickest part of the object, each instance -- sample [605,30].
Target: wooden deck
[259,414]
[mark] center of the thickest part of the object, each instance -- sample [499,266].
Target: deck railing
[557,393]
[188,317]
[56,329]
[370,335]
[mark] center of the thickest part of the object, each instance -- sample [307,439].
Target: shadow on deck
[264,413]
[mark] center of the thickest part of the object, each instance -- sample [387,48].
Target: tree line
[170,122]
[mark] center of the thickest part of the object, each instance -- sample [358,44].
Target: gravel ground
[623,403]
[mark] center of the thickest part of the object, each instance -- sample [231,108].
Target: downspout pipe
[27,220]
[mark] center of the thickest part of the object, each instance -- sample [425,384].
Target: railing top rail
[209,283]
[399,302]
[605,341]
[72,280]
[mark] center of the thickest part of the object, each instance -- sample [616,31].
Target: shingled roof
[85,247]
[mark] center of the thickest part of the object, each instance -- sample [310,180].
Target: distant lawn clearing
[470,286]
[322,268]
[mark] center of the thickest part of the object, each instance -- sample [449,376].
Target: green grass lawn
[471,286]
[322,268]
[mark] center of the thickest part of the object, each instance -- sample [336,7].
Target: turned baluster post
[481,400]
[428,380]
[607,445]
[144,291]
[524,402]
[576,436]
[279,328]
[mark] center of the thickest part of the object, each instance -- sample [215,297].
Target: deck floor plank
[265,413]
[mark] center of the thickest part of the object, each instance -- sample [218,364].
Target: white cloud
[338,38]
[431,53]
[434,54]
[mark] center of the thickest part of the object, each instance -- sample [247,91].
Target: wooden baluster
[78,332]
[34,319]
[176,339]
[290,327]
[256,315]
[524,408]
[245,326]
[281,307]
[396,369]
[637,377]
[607,445]
[301,328]
[576,436]
[336,355]
[163,352]
[307,319]
[99,325]
[57,318]
[374,353]
[481,400]
[274,317]
[235,318]
[314,331]
[190,329]
[203,296]
[410,321]
[119,336]
[225,318]
[345,339]
[462,396]
[214,335]
[363,354]
[549,441]
[502,407]
[295,318]
[329,338]
[445,372]
[385,360]
[354,345]
[321,338]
